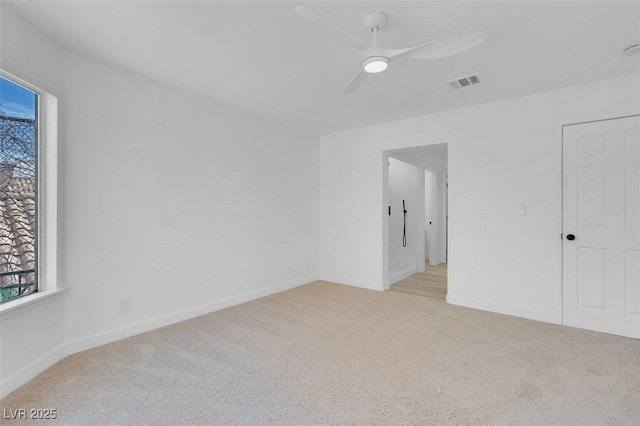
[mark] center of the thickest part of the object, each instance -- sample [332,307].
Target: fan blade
[309,15]
[355,82]
[440,48]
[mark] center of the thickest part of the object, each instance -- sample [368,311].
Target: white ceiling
[432,157]
[262,57]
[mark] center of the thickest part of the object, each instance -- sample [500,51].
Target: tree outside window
[18,190]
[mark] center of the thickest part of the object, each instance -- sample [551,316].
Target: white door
[601,226]
[428,215]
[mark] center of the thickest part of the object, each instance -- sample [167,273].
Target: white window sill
[23,304]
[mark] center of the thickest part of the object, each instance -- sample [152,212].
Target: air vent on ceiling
[460,82]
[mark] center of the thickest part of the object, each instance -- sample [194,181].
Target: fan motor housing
[375,20]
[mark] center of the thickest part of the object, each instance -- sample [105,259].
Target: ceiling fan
[377,59]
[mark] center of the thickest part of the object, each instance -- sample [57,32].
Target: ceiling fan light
[375,64]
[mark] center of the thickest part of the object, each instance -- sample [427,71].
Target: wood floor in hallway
[430,283]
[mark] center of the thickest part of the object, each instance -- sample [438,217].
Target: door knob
[571,237]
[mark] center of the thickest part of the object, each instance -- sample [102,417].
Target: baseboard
[164,320]
[18,379]
[544,316]
[369,285]
[23,376]
[402,274]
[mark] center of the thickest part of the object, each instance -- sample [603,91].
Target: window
[24,123]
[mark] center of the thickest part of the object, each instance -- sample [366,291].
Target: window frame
[46,198]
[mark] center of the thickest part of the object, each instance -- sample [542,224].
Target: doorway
[416,220]
[601,225]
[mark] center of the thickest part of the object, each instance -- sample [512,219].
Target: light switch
[523,209]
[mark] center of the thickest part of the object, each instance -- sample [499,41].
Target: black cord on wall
[404,226]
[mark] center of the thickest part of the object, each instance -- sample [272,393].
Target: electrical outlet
[123,304]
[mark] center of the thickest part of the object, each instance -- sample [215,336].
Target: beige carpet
[330,354]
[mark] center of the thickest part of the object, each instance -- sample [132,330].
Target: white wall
[404,185]
[31,340]
[500,154]
[181,201]
[181,204]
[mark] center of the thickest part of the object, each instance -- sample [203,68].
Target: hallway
[430,283]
